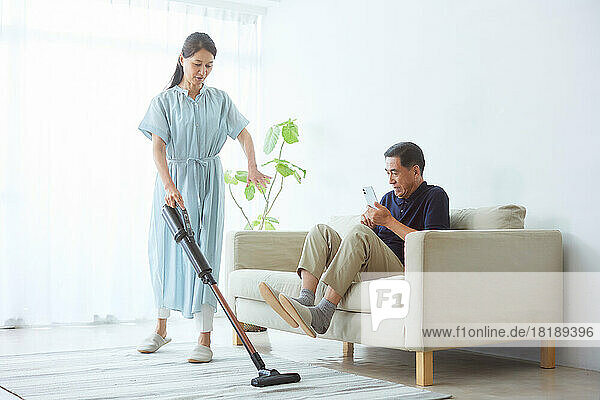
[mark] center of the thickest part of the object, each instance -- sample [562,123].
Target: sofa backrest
[498,217]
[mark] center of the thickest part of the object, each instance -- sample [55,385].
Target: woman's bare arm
[248,146]
[254,175]
[160,160]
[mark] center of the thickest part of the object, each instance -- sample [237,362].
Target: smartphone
[370,196]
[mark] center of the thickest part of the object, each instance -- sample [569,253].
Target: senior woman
[188,124]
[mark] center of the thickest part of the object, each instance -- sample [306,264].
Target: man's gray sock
[306,298]
[321,315]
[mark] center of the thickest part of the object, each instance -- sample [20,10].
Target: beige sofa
[487,268]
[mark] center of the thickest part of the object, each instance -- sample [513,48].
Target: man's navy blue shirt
[426,208]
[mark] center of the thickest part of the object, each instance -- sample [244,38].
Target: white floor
[466,375]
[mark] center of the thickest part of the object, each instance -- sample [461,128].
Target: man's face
[404,181]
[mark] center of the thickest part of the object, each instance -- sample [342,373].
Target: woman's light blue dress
[194,131]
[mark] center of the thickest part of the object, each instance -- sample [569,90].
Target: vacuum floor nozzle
[270,377]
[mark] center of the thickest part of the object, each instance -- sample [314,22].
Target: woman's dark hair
[409,154]
[196,41]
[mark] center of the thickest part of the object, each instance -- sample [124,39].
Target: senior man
[375,245]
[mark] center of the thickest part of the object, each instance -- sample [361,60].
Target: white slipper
[200,354]
[152,343]
[271,297]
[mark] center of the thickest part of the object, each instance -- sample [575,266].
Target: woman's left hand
[259,179]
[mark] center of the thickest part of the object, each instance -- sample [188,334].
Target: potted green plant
[287,133]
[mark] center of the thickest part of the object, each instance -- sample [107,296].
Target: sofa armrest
[503,250]
[271,250]
[482,276]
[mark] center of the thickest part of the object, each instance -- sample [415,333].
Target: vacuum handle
[171,217]
[186,239]
[186,221]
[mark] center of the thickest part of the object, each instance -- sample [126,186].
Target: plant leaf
[301,169]
[271,219]
[271,139]
[286,162]
[297,176]
[256,222]
[290,132]
[269,226]
[284,170]
[229,178]
[249,192]
[241,176]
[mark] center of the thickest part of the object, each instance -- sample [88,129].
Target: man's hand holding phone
[366,221]
[371,199]
[376,214]
[379,215]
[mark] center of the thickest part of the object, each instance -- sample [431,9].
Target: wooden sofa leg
[236,339]
[547,353]
[424,368]
[348,350]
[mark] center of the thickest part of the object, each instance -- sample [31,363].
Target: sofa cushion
[499,217]
[244,283]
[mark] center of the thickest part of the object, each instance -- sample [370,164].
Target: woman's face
[197,67]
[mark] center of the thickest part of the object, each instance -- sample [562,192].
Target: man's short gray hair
[409,154]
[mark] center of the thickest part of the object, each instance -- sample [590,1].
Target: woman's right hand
[173,197]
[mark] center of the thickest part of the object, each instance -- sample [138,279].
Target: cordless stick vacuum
[185,237]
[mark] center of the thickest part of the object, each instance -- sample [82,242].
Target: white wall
[499,94]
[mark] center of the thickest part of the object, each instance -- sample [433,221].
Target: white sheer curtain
[76,176]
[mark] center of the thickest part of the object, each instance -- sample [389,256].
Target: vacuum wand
[184,235]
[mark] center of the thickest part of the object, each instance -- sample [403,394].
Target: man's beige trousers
[338,262]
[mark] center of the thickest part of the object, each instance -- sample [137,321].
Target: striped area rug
[123,373]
